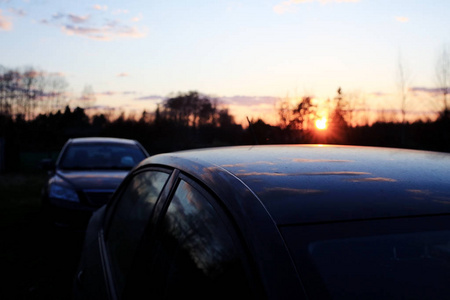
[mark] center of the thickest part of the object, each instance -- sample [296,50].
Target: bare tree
[5,103]
[87,98]
[342,111]
[9,88]
[284,112]
[443,78]
[33,83]
[55,96]
[19,91]
[303,114]
[28,91]
[403,82]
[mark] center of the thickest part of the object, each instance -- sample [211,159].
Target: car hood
[99,180]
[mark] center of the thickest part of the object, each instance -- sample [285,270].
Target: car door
[126,223]
[195,252]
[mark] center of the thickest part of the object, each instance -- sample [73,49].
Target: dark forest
[36,121]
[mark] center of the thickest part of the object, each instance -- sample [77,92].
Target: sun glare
[321,124]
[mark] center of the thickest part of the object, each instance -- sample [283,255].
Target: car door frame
[108,275]
[220,208]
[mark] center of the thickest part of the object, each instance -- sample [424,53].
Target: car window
[382,259]
[195,254]
[128,222]
[101,156]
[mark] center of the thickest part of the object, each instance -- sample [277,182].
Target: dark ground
[37,261]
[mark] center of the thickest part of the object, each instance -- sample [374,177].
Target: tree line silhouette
[33,119]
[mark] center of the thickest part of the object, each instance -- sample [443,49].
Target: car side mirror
[47,164]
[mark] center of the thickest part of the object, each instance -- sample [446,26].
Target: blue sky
[247,53]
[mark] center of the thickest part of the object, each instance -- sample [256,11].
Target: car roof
[321,183]
[87,140]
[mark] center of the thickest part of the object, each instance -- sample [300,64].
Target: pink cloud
[402,19]
[94,27]
[5,23]
[77,19]
[137,18]
[100,7]
[104,33]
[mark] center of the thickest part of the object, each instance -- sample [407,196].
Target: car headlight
[63,192]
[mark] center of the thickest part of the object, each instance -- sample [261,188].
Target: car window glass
[129,220]
[101,156]
[408,266]
[405,258]
[196,255]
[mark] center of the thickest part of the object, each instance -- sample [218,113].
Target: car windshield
[100,156]
[340,261]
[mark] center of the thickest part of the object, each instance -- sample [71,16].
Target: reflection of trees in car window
[131,215]
[196,255]
[187,224]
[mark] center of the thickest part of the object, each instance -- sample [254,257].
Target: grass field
[39,261]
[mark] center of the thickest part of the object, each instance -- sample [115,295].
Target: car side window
[195,254]
[129,220]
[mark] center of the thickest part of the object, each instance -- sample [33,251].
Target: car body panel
[329,183]
[92,264]
[92,180]
[266,190]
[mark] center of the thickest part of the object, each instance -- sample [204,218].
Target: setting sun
[321,124]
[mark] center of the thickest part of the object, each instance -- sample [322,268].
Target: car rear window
[101,156]
[371,260]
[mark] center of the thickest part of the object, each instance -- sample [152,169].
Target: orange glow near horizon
[321,124]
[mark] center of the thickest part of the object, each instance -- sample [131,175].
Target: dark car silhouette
[274,222]
[86,174]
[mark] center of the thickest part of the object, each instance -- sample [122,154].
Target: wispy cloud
[120,11]
[425,90]
[137,18]
[78,19]
[289,5]
[18,12]
[58,16]
[5,22]
[115,93]
[94,27]
[402,19]
[106,32]
[377,94]
[249,100]
[100,7]
[102,108]
[56,74]
[150,97]
[123,74]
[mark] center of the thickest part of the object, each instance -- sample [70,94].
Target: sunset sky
[247,53]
